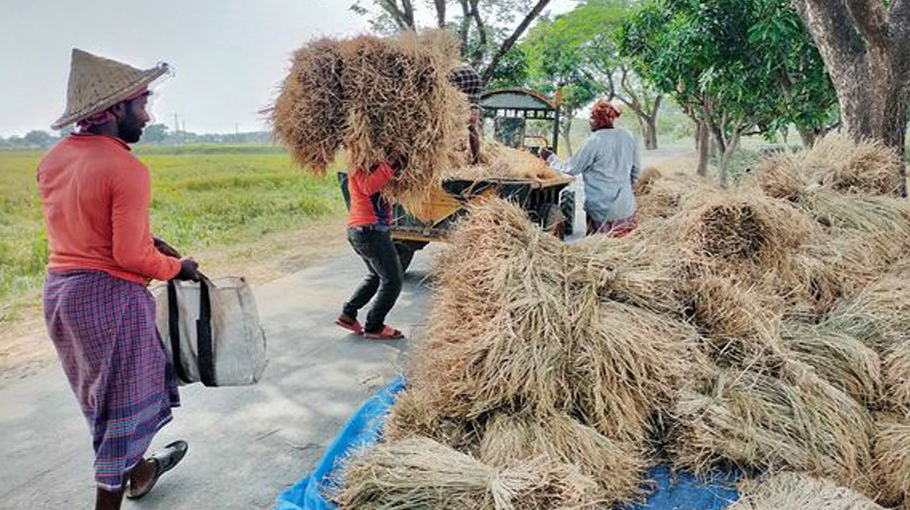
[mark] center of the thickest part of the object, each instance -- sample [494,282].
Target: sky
[228,55]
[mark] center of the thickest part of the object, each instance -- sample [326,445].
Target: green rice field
[203,197]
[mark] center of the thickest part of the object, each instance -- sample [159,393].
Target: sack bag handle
[205,358]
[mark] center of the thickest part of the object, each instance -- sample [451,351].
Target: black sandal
[165,460]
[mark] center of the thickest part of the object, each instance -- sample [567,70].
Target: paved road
[246,444]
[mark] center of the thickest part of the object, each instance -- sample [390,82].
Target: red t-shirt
[368,207]
[96,207]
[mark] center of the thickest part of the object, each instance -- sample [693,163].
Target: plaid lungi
[619,228]
[104,330]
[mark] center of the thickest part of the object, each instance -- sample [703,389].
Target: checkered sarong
[104,330]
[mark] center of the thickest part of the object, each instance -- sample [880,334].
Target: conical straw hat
[98,83]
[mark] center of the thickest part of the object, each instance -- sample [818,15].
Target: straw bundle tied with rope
[746,229]
[834,163]
[892,458]
[762,422]
[838,358]
[616,468]
[740,324]
[382,100]
[419,473]
[794,491]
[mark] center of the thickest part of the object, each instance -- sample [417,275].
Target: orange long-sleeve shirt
[368,207]
[96,207]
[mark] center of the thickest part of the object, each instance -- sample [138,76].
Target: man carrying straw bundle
[369,232]
[99,314]
[609,163]
[466,79]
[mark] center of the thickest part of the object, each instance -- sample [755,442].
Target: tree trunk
[566,131]
[726,158]
[865,46]
[648,131]
[704,136]
[807,136]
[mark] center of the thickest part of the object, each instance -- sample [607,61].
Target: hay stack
[628,270]
[382,99]
[793,491]
[877,315]
[867,166]
[616,468]
[761,422]
[877,225]
[892,458]
[416,413]
[419,473]
[896,375]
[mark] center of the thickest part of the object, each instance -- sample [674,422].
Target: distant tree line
[154,134]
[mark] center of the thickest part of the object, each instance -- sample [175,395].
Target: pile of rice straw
[836,163]
[498,161]
[766,329]
[380,99]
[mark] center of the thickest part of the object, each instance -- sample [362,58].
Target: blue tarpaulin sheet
[670,490]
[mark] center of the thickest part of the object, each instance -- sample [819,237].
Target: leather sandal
[350,324]
[165,460]
[386,333]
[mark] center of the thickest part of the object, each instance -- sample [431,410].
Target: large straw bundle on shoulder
[383,99]
[309,115]
[762,422]
[865,166]
[617,468]
[892,458]
[795,491]
[419,473]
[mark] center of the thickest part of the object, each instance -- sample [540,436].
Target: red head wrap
[603,113]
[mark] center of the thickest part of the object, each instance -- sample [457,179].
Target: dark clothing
[374,245]
[466,79]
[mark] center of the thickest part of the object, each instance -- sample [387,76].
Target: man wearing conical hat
[99,314]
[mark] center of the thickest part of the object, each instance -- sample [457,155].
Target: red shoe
[387,333]
[350,324]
